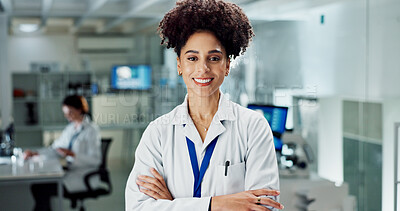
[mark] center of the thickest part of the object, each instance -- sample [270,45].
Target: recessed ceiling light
[28,27]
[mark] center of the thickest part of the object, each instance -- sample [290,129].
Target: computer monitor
[131,77]
[276,117]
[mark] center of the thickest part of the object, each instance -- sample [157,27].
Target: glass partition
[336,65]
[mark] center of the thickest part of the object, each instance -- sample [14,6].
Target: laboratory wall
[77,54]
[73,56]
[23,50]
[5,97]
[339,53]
[321,55]
[343,55]
[384,49]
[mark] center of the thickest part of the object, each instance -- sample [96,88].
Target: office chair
[102,172]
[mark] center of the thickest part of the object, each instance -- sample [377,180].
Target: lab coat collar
[224,112]
[85,122]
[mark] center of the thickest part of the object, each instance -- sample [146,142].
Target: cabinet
[37,99]
[362,152]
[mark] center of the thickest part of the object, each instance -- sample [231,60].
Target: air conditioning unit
[105,44]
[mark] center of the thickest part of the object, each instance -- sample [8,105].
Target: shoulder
[163,122]
[162,127]
[68,129]
[170,118]
[250,121]
[248,116]
[70,126]
[91,127]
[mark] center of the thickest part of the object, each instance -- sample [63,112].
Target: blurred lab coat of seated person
[79,144]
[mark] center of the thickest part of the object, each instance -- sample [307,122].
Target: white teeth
[203,81]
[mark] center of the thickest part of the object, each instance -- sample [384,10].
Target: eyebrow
[209,52]
[191,51]
[215,51]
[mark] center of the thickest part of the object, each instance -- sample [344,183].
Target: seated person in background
[79,144]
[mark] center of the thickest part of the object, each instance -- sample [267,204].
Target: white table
[314,193]
[33,171]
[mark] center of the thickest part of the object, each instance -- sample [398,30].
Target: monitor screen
[135,77]
[276,117]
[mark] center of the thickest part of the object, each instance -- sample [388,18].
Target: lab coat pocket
[232,177]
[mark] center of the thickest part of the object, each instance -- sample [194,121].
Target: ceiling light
[28,27]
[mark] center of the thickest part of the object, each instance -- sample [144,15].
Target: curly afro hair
[226,20]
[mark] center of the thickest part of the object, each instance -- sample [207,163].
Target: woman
[79,144]
[208,153]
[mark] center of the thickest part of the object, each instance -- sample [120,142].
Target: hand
[246,200]
[154,187]
[28,154]
[65,152]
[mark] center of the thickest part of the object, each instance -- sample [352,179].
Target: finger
[149,193]
[258,208]
[156,186]
[265,192]
[60,152]
[26,156]
[156,192]
[151,180]
[158,176]
[272,203]
[69,152]
[149,186]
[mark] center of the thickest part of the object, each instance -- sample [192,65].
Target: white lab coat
[245,139]
[87,149]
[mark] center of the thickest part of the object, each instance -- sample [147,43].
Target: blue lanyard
[198,175]
[73,138]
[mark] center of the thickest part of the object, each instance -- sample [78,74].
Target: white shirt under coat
[87,149]
[245,139]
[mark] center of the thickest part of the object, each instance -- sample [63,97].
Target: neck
[203,108]
[79,121]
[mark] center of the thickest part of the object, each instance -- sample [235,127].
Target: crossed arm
[144,192]
[156,188]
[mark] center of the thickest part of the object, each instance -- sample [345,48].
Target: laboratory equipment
[131,77]
[276,117]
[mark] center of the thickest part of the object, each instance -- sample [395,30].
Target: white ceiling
[122,16]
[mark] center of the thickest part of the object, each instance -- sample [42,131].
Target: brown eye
[215,58]
[191,59]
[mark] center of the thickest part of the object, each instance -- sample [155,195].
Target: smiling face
[203,64]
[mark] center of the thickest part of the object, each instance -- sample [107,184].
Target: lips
[202,81]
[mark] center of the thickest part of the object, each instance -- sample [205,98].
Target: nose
[202,66]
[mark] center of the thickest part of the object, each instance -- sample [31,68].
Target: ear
[178,65]
[228,64]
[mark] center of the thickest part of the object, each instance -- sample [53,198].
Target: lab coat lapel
[216,129]
[190,131]
[182,119]
[224,113]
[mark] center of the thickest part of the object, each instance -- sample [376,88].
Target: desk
[34,171]
[315,193]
